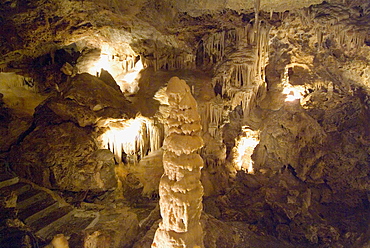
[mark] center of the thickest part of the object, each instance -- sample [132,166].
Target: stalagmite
[180,188]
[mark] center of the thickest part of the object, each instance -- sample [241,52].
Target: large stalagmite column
[180,188]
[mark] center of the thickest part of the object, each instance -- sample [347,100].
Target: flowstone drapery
[180,188]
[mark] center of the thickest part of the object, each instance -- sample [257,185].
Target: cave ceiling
[33,28]
[282,90]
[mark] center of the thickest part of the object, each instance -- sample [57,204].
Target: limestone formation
[282,89]
[180,189]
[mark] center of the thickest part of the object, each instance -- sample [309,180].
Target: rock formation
[282,89]
[180,189]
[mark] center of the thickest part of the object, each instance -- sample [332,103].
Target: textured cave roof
[203,6]
[30,29]
[34,28]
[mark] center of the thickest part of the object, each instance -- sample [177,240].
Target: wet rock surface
[297,79]
[60,151]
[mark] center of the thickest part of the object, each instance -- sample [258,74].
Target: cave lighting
[131,76]
[293,92]
[133,138]
[124,136]
[102,63]
[130,81]
[243,150]
[20,93]
[124,68]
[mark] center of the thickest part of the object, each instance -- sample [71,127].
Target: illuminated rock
[180,188]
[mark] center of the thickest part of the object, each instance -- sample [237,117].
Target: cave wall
[310,180]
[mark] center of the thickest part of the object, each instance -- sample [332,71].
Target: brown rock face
[66,157]
[98,96]
[12,126]
[295,74]
[60,151]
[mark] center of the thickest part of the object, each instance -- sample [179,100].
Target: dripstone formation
[103,144]
[180,188]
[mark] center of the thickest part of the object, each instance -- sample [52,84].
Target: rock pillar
[180,188]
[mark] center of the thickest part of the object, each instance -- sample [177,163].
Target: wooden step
[36,207]
[51,217]
[44,212]
[41,211]
[4,177]
[19,187]
[76,223]
[52,229]
[36,197]
[28,194]
[8,182]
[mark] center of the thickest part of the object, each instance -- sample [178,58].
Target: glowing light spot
[129,82]
[293,92]
[19,93]
[244,148]
[103,63]
[132,138]
[131,76]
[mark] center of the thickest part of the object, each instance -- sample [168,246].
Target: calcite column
[180,189]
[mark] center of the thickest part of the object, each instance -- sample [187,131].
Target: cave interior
[191,123]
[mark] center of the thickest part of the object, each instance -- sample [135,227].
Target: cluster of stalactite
[336,23]
[180,188]
[214,45]
[212,113]
[127,61]
[94,61]
[170,61]
[239,75]
[131,140]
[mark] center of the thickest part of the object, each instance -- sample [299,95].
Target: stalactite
[212,115]
[170,61]
[336,23]
[155,134]
[240,74]
[128,63]
[257,4]
[134,138]
[262,50]
[214,45]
